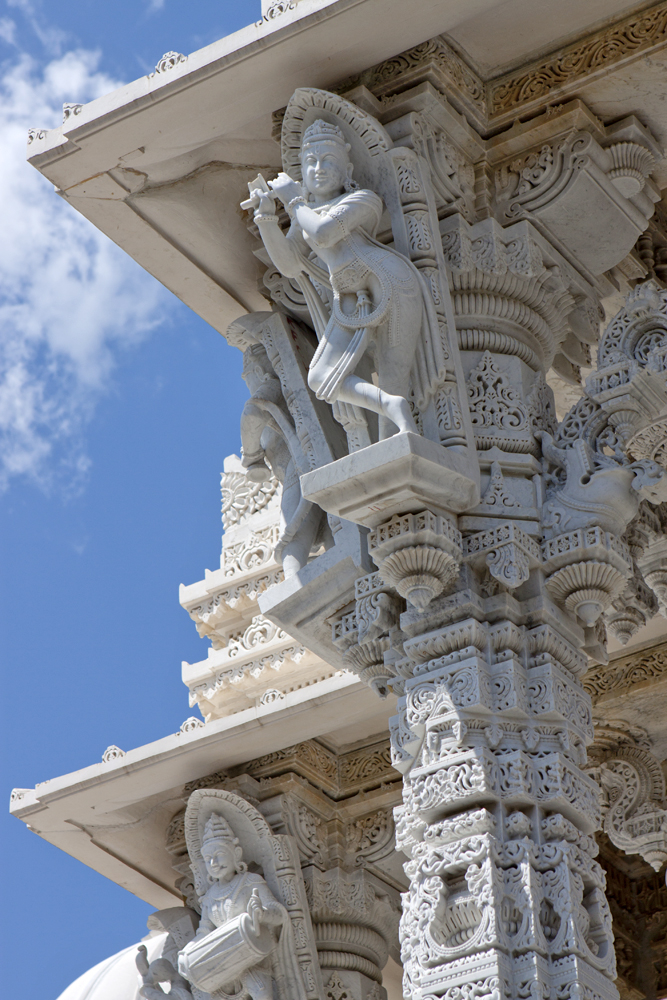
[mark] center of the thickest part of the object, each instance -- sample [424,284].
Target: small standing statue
[240,917]
[364,298]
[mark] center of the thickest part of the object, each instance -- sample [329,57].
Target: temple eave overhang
[95,813]
[135,162]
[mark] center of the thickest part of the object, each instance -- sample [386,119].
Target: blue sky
[117,407]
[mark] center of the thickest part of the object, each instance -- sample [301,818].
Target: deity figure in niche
[240,925]
[365,299]
[268,435]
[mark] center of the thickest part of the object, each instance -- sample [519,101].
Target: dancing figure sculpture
[366,300]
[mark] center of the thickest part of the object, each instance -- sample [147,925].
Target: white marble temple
[447,210]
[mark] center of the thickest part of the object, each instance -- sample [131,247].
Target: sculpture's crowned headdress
[321,131]
[218,829]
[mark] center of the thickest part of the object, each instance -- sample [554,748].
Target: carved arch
[632,331]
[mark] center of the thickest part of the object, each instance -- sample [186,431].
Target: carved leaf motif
[419,232]
[408,181]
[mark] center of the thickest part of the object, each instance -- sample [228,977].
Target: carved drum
[220,958]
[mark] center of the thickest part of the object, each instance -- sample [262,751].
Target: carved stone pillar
[506,897]
[499,535]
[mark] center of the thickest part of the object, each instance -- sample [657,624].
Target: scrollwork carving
[634,803]
[241,497]
[627,38]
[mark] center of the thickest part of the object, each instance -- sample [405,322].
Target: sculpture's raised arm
[282,251]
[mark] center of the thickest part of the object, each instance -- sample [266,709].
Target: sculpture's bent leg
[395,408]
[355,390]
[395,344]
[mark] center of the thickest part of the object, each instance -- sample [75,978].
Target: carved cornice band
[635,668]
[499,100]
[562,70]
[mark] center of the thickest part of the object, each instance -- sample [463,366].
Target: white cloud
[51,38]
[70,300]
[154,5]
[8,30]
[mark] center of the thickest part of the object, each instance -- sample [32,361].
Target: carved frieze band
[339,775]
[624,673]
[630,38]
[498,100]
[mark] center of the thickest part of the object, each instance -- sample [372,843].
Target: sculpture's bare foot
[398,410]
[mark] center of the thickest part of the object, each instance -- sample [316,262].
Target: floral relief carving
[371,836]
[494,402]
[528,181]
[628,38]
[436,52]
[241,497]
[250,555]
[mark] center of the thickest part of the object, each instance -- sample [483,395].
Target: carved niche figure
[367,301]
[245,944]
[268,435]
[238,911]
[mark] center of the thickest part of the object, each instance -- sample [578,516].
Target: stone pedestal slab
[404,473]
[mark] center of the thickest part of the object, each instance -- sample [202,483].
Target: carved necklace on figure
[226,896]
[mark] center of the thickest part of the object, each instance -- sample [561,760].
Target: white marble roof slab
[86,813]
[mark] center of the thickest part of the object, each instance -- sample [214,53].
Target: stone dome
[115,978]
